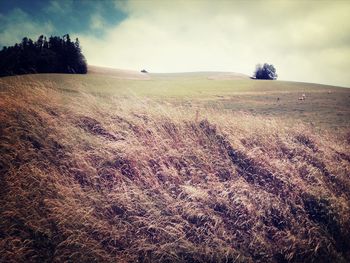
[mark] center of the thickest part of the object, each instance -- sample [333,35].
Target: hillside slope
[117,73]
[104,176]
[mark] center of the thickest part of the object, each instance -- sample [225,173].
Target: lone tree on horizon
[55,55]
[266,71]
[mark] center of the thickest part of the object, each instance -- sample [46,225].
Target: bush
[267,71]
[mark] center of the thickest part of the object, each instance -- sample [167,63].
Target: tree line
[53,55]
[61,55]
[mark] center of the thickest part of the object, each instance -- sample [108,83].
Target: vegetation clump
[55,55]
[266,71]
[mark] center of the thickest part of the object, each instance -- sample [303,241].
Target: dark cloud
[20,18]
[17,24]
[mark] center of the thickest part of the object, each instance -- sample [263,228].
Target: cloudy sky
[305,40]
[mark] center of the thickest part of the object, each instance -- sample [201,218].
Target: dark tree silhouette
[56,55]
[267,71]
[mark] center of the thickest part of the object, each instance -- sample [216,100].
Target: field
[119,166]
[324,107]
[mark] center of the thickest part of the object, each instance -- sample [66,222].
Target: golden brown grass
[91,179]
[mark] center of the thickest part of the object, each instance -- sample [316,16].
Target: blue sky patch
[56,17]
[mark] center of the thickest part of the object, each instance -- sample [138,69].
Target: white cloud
[97,22]
[17,23]
[306,41]
[302,39]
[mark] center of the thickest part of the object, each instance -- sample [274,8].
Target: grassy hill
[118,166]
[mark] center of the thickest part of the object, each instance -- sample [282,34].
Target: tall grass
[94,179]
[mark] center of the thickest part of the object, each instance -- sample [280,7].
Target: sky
[306,41]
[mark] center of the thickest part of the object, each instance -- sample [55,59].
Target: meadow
[118,166]
[324,107]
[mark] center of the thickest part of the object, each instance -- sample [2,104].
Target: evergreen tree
[56,55]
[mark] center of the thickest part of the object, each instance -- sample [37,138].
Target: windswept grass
[91,178]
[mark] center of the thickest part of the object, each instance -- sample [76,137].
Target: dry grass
[130,180]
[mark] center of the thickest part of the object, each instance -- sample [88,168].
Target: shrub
[266,71]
